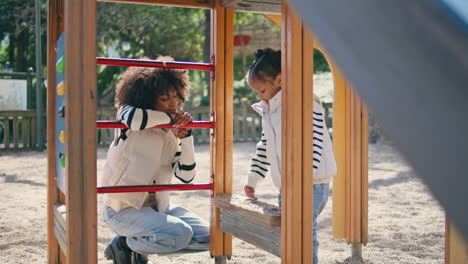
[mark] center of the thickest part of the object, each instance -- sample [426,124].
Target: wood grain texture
[80,126]
[53,31]
[253,232]
[295,223]
[250,208]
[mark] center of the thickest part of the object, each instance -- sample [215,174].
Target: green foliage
[320,62]
[151,31]
[17,21]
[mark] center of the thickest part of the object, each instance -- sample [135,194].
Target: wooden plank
[53,251]
[208,4]
[260,6]
[260,235]
[60,236]
[364,174]
[307,150]
[33,132]
[230,3]
[217,141]
[80,126]
[456,247]
[6,137]
[339,148]
[24,132]
[295,222]
[15,132]
[261,229]
[358,168]
[60,225]
[228,112]
[251,208]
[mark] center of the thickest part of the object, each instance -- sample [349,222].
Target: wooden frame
[222,23]
[79,222]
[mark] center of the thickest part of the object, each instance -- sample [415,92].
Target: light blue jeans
[152,232]
[321,192]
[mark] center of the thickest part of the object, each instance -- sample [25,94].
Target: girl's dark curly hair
[139,86]
[267,64]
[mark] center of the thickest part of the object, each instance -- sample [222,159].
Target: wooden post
[222,27]
[350,133]
[297,101]
[80,126]
[53,30]
[456,248]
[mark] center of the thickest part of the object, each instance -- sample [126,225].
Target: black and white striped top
[138,119]
[260,164]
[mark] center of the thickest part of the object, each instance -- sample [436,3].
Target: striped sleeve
[258,164]
[184,160]
[318,133]
[138,118]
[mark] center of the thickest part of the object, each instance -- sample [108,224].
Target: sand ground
[406,225]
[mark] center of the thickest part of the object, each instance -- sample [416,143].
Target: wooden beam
[207,4]
[251,208]
[258,6]
[339,143]
[60,226]
[274,18]
[80,126]
[296,222]
[456,248]
[53,32]
[222,25]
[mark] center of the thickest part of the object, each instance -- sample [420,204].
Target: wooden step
[251,220]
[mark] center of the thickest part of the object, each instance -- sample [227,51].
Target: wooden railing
[18,130]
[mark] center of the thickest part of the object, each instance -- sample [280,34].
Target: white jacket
[268,153]
[146,156]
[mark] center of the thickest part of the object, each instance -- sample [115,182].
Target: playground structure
[72,233]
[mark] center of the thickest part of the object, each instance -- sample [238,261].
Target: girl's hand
[249,191]
[181,118]
[180,132]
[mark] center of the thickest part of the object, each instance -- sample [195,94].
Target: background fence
[18,128]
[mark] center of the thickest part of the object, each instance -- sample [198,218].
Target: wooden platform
[251,220]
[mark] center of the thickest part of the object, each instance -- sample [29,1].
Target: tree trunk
[21,52]
[11,50]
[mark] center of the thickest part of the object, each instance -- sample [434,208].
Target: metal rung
[185,65]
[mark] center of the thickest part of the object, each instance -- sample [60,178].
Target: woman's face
[266,88]
[168,103]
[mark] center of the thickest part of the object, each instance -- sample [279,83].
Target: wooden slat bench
[251,220]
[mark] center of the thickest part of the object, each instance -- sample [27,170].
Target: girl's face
[168,103]
[266,88]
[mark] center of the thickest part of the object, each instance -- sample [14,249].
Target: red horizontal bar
[154,188]
[193,124]
[186,65]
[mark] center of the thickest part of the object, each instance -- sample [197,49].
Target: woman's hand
[249,191]
[180,132]
[181,118]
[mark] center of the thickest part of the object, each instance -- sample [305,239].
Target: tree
[151,31]
[17,25]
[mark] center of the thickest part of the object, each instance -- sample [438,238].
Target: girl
[145,223]
[264,77]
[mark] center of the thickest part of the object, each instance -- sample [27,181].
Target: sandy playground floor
[406,225]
